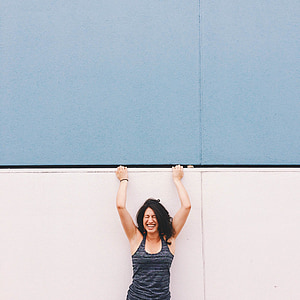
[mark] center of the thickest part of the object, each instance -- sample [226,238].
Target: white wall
[61,237]
[252,234]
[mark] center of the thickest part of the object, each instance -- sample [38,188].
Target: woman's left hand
[177,172]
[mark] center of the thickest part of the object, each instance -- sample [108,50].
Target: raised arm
[182,214]
[126,220]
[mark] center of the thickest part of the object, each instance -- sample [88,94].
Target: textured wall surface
[99,82]
[159,82]
[61,237]
[250,82]
[251,222]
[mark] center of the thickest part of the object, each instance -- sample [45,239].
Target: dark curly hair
[165,226]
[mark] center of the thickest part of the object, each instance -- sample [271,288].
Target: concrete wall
[139,82]
[99,82]
[61,237]
[250,82]
[251,227]
[149,82]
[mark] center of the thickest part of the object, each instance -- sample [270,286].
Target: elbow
[187,207]
[187,204]
[120,206]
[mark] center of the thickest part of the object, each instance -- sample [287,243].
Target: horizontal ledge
[146,166]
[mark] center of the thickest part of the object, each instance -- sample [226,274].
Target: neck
[153,237]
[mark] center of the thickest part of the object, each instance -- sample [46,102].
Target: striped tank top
[151,274]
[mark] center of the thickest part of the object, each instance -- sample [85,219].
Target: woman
[152,242]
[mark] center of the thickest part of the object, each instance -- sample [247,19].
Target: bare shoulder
[135,242]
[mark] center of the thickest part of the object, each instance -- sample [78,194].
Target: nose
[151,219]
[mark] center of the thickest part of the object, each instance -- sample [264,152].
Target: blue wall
[142,82]
[251,82]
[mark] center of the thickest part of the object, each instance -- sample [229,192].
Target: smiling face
[149,221]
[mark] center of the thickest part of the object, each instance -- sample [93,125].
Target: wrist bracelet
[124,179]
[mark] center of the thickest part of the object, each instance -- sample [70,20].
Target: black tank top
[151,273]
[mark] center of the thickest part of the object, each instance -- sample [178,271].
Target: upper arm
[127,223]
[180,219]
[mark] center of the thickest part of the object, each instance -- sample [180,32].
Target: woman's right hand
[122,173]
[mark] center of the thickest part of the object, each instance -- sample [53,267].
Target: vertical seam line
[200,82]
[203,239]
